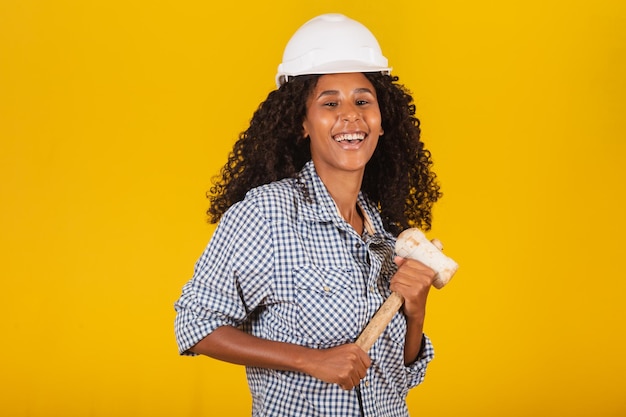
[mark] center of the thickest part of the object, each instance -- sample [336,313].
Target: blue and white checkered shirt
[288,268]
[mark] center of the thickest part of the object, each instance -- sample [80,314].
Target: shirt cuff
[417,370]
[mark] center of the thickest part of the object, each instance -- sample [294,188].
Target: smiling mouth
[349,137]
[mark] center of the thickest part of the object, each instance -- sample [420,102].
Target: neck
[345,194]
[344,187]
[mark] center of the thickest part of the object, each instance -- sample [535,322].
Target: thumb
[399,260]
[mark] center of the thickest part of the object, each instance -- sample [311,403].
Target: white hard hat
[331,43]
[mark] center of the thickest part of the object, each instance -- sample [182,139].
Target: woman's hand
[343,365]
[413,281]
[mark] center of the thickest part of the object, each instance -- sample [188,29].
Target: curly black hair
[398,178]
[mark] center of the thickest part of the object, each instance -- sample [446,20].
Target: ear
[305,131]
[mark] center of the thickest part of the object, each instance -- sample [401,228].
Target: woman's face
[344,122]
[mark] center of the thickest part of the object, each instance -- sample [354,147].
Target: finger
[349,384]
[354,383]
[366,361]
[399,260]
[412,269]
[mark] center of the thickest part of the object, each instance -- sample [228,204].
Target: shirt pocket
[326,301]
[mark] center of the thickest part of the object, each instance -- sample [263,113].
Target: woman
[330,169]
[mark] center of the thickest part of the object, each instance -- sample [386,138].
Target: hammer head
[412,244]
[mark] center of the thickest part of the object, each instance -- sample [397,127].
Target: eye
[362,102]
[330,104]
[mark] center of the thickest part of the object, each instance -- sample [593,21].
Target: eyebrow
[335,92]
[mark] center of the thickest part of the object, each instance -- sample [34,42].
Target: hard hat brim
[338,67]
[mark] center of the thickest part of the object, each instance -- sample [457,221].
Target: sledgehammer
[411,244]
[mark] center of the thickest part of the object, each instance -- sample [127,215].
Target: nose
[350,113]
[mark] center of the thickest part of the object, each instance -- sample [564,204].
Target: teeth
[349,137]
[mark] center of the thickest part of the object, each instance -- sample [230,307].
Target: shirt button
[367,383]
[358,245]
[326,289]
[371,289]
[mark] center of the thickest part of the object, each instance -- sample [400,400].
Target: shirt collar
[322,208]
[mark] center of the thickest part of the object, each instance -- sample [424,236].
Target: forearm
[232,345]
[413,341]
[344,365]
[413,280]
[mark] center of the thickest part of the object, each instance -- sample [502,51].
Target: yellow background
[114,115]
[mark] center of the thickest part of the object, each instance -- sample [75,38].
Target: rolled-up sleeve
[416,371]
[231,278]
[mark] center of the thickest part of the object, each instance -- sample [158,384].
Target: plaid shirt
[287,267]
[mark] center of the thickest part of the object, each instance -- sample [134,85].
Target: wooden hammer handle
[380,320]
[411,244]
